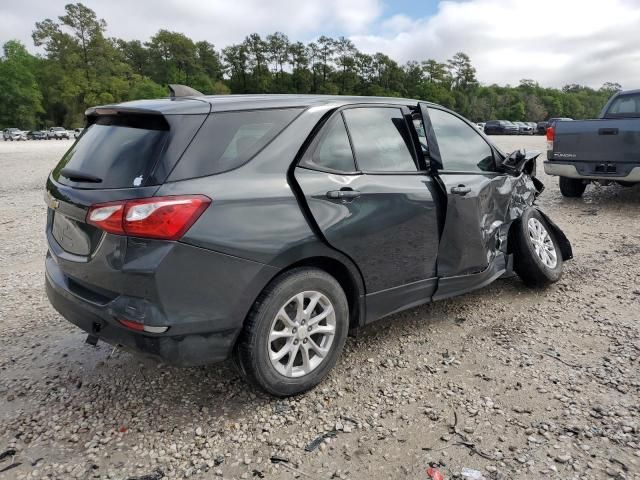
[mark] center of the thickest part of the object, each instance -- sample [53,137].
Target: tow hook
[91,338]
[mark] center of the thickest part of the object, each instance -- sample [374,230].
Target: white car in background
[58,133]
[14,134]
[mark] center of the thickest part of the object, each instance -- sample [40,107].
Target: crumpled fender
[563,241]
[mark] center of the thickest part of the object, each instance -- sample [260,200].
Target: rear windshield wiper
[77,176]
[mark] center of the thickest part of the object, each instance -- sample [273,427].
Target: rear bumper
[584,170]
[184,351]
[201,296]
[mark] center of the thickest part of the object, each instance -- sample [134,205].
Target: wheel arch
[350,281]
[563,242]
[347,275]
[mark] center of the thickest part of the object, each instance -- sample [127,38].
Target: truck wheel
[572,187]
[537,258]
[294,333]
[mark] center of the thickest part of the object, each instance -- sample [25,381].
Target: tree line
[81,66]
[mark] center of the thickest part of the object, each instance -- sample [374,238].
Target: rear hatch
[124,153]
[607,140]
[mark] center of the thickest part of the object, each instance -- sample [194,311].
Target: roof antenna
[177,90]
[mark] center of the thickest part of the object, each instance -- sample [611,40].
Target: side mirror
[517,161]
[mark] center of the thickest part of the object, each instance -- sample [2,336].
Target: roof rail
[177,90]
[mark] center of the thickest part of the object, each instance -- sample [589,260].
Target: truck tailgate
[610,140]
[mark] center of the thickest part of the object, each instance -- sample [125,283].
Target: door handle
[344,194]
[460,190]
[608,131]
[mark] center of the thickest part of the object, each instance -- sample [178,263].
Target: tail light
[166,218]
[551,135]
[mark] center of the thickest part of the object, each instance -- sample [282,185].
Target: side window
[331,150]
[422,135]
[381,139]
[227,140]
[461,147]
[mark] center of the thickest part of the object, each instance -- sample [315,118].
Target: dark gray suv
[193,229]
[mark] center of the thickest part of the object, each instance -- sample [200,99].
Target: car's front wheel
[572,187]
[537,258]
[294,333]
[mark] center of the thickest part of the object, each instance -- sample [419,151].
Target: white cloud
[552,41]
[220,21]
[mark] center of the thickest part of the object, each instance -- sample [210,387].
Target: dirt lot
[512,382]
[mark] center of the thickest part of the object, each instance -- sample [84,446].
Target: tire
[572,187]
[527,263]
[253,350]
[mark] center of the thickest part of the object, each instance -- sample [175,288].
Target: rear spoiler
[97,111]
[158,107]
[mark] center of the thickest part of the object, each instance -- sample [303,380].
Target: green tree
[462,72]
[20,94]
[279,53]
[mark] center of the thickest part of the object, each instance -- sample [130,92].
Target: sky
[554,42]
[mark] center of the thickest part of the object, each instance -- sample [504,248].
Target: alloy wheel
[301,334]
[542,243]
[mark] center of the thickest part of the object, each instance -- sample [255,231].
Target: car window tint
[461,147]
[626,104]
[331,149]
[120,151]
[381,139]
[229,139]
[422,135]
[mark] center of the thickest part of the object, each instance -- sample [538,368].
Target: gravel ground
[512,382]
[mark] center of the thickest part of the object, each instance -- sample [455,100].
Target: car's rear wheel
[572,187]
[294,333]
[537,256]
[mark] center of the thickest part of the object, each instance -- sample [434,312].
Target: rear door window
[117,151]
[331,149]
[227,140]
[381,139]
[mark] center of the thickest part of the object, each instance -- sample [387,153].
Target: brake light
[166,218]
[551,135]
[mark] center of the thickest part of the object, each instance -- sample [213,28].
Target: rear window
[117,151]
[227,140]
[625,106]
